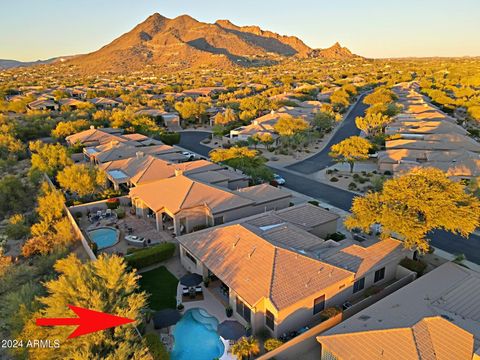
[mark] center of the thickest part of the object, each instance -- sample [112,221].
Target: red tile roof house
[184,205]
[279,276]
[144,168]
[435,317]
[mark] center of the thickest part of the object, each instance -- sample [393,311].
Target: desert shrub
[150,256]
[334,179]
[272,344]
[417,266]
[314,202]
[329,313]
[352,186]
[120,213]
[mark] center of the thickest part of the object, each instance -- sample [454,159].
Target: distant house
[43,105]
[277,275]
[171,120]
[435,317]
[203,92]
[71,103]
[104,103]
[184,204]
[423,136]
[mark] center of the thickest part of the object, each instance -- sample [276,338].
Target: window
[190,256]
[358,285]
[243,310]
[318,304]
[379,275]
[218,220]
[270,320]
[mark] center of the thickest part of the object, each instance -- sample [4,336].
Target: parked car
[280,180]
[189,155]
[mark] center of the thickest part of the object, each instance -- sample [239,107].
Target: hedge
[150,256]
[156,348]
[417,266]
[170,138]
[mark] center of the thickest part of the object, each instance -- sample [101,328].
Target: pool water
[104,237]
[196,337]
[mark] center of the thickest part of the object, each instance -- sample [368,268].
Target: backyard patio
[130,226]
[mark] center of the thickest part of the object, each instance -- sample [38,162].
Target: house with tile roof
[423,136]
[435,317]
[184,204]
[148,167]
[278,275]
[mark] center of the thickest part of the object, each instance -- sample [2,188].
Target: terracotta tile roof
[180,192]
[392,344]
[255,268]
[364,259]
[99,136]
[263,193]
[426,340]
[307,215]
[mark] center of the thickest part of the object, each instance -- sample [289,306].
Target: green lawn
[161,284]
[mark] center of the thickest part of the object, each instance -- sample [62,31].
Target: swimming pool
[196,337]
[104,237]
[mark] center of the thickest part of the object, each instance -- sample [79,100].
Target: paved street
[321,160]
[342,199]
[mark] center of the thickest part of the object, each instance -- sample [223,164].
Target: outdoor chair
[198,289]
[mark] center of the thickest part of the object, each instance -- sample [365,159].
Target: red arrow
[88,321]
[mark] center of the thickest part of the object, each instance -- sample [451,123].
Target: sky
[41,29]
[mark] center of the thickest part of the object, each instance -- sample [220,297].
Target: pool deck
[140,227]
[214,307]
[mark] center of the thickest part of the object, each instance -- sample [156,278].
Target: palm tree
[246,347]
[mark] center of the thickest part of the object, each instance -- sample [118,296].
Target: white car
[189,155]
[280,180]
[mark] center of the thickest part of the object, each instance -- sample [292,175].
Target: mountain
[9,64]
[184,42]
[336,51]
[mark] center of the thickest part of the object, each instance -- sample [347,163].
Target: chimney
[178,172]
[139,154]
[255,122]
[92,127]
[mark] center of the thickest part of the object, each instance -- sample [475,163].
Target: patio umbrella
[231,330]
[191,279]
[165,318]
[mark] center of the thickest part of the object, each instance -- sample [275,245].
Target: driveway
[347,128]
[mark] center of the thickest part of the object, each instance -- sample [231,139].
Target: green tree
[81,179]
[103,285]
[255,104]
[288,126]
[15,195]
[66,128]
[324,121]
[191,110]
[351,150]
[372,124]
[49,158]
[414,204]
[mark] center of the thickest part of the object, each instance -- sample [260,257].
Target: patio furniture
[191,279]
[185,291]
[198,289]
